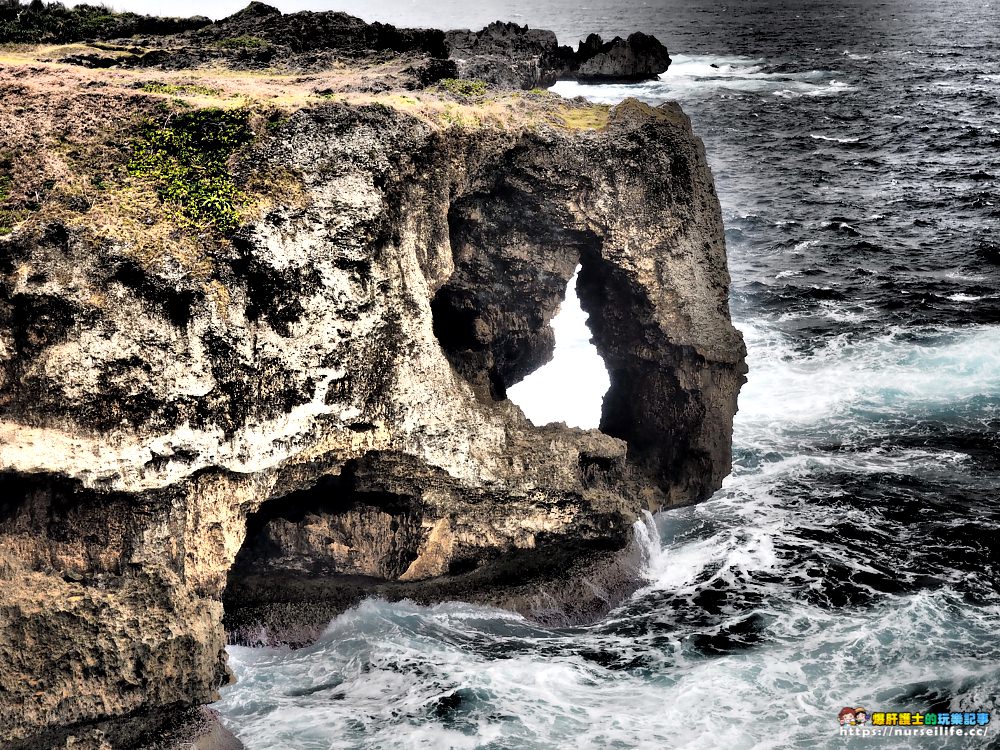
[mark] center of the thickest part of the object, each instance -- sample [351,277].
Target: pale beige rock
[325,417]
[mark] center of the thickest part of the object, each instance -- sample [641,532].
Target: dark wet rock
[513,56]
[639,58]
[510,56]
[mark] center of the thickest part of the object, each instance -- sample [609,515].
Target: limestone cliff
[255,338]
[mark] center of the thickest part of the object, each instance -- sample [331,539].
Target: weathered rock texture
[513,56]
[638,58]
[506,54]
[312,408]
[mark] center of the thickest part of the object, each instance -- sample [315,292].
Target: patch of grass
[11,216]
[276,122]
[8,215]
[593,117]
[180,89]
[8,219]
[467,88]
[460,117]
[187,157]
[243,42]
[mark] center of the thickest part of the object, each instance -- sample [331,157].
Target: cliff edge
[256,332]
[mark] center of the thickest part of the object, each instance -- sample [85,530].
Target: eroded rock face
[639,58]
[513,56]
[324,417]
[509,55]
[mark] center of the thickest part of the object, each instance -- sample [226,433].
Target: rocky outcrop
[510,56]
[257,37]
[260,36]
[639,58]
[260,423]
[307,31]
[513,56]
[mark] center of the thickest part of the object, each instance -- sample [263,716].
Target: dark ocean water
[852,557]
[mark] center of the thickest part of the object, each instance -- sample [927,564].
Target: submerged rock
[254,363]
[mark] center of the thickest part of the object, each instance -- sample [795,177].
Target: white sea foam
[836,312]
[834,139]
[958,276]
[647,536]
[891,374]
[694,75]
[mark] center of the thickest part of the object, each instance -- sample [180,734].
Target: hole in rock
[333,527]
[571,387]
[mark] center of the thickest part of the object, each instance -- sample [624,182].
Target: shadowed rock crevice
[391,527]
[342,525]
[513,261]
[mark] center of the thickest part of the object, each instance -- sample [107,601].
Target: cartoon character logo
[846,716]
[860,715]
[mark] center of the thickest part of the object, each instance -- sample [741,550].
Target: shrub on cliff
[187,158]
[54,22]
[467,88]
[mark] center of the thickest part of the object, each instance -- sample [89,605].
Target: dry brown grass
[222,87]
[592,117]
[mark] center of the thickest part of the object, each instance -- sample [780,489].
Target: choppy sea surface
[852,557]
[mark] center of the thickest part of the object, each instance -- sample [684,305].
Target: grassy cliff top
[149,159]
[53,70]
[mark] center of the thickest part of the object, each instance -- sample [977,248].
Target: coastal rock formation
[510,55]
[254,359]
[255,38]
[639,58]
[260,36]
[513,56]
